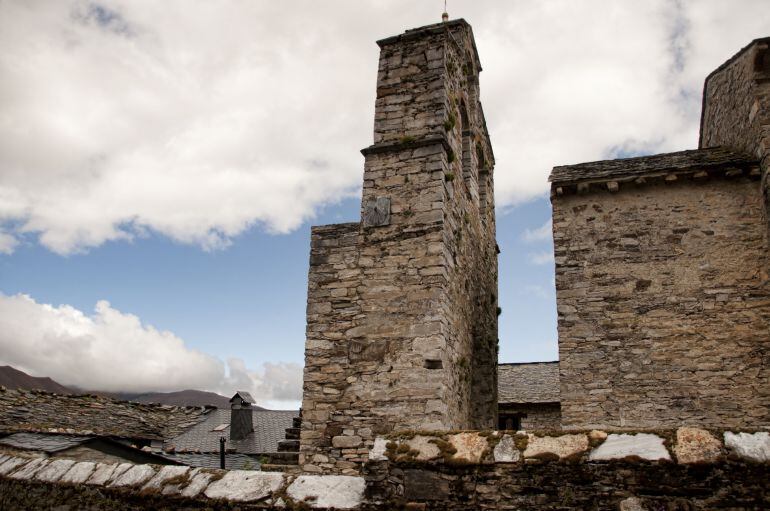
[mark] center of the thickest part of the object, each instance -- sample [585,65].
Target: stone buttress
[402,307]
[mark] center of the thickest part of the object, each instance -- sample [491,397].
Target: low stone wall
[684,469]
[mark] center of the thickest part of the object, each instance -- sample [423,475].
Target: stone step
[288,446]
[283,458]
[292,433]
[297,422]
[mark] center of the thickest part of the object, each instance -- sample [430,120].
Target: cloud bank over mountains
[111,350]
[200,121]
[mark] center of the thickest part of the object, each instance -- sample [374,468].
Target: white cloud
[542,257]
[542,233]
[200,121]
[7,243]
[113,351]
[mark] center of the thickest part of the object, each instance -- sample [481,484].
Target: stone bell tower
[402,306]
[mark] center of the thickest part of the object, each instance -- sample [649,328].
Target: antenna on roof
[445,15]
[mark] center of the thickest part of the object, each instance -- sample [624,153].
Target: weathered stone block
[645,446]
[346,442]
[337,492]
[560,447]
[244,485]
[695,445]
[753,446]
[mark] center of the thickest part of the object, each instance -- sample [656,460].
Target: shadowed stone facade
[401,316]
[662,271]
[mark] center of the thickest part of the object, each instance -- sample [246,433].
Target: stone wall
[689,468]
[663,303]
[401,317]
[736,109]
[533,416]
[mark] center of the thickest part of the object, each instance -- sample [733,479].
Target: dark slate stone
[713,157]
[425,485]
[377,212]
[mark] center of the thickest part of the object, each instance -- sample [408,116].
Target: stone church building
[661,270]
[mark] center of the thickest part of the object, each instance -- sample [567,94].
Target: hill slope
[12,378]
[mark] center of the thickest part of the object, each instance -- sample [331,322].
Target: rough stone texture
[505,451]
[696,445]
[631,504]
[470,447]
[244,485]
[137,475]
[11,464]
[564,446]
[29,469]
[340,492]
[199,481]
[528,383]
[530,416]
[401,318]
[54,471]
[645,446]
[558,485]
[88,414]
[662,262]
[754,446]
[476,481]
[663,306]
[166,474]
[426,446]
[79,473]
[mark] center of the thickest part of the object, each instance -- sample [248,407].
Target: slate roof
[211,460]
[529,382]
[244,396]
[682,161]
[269,429]
[91,415]
[42,442]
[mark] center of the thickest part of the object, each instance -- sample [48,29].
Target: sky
[161,164]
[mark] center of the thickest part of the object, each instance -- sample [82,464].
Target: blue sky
[161,165]
[248,300]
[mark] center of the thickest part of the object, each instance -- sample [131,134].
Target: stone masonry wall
[683,469]
[402,321]
[663,303]
[736,110]
[534,416]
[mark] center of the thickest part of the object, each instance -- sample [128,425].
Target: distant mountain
[12,378]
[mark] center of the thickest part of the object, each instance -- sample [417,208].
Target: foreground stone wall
[663,303]
[688,468]
[401,317]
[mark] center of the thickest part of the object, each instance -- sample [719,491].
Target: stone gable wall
[402,320]
[663,305]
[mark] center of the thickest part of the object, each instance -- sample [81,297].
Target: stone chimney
[241,424]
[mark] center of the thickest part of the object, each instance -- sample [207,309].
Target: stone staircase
[287,457]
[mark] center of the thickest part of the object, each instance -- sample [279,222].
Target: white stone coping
[347,492]
[316,491]
[686,445]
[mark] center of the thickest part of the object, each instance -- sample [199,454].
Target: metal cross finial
[445,15]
